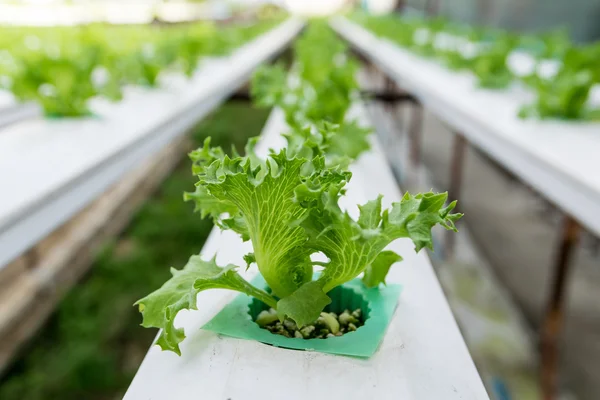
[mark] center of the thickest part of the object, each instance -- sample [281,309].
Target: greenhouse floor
[93,344]
[505,249]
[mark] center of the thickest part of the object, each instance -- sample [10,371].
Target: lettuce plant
[566,94]
[287,205]
[490,65]
[61,84]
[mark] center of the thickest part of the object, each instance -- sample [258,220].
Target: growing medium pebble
[290,325]
[347,318]
[284,333]
[266,317]
[330,319]
[328,325]
[307,331]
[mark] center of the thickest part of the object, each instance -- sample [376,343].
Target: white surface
[7,99]
[11,113]
[313,7]
[49,169]
[559,159]
[378,7]
[51,13]
[423,356]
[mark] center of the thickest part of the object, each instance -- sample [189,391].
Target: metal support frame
[554,316]
[388,97]
[415,130]
[389,86]
[398,95]
[455,184]
[242,95]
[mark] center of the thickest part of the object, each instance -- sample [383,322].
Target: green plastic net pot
[236,319]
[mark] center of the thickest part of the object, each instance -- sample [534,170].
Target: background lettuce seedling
[58,67]
[484,51]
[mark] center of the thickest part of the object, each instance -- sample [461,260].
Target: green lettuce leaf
[225,214]
[269,85]
[352,246]
[265,198]
[340,144]
[160,307]
[305,304]
[349,140]
[377,271]
[208,205]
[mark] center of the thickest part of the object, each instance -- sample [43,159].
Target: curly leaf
[264,197]
[268,85]
[352,246]
[370,214]
[160,307]
[339,144]
[377,271]
[224,213]
[208,205]
[350,140]
[305,304]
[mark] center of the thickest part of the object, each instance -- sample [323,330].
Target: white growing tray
[51,169]
[559,159]
[422,357]
[11,111]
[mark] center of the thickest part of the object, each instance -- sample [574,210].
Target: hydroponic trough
[422,357]
[11,111]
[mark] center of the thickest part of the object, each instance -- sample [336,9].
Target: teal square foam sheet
[377,304]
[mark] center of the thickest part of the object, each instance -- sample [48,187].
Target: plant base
[237,320]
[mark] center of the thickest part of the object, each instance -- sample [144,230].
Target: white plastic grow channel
[18,112]
[11,111]
[559,159]
[51,169]
[422,357]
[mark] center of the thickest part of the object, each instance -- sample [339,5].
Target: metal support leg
[396,97]
[32,257]
[241,95]
[392,97]
[456,175]
[553,318]
[389,86]
[414,134]
[413,144]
